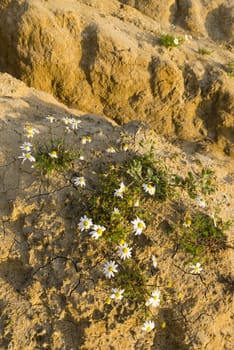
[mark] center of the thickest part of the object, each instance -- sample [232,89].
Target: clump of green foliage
[229,68]
[201,236]
[54,156]
[134,172]
[143,168]
[195,184]
[169,40]
[203,51]
[134,280]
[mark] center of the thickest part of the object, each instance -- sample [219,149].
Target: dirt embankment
[106,57]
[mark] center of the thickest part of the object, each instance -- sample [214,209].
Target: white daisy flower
[67,120]
[116,211]
[120,191]
[30,131]
[196,269]
[117,294]
[111,150]
[27,156]
[149,188]
[138,226]
[29,134]
[68,130]
[125,147]
[124,252]
[110,269]
[51,118]
[214,219]
[85,223]
[137,203]
[122,187]
[74,123]
[154,261]
[26,146]
[148,326]
[53,154]
[188,37]
[176,41]
[154,300]
[187,223]
[79,181]
[201,202]
[97,231]
[86,139]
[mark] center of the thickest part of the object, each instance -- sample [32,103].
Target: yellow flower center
[117,294]
[140,225]
[125,250]
[180,295]
[150,186]
[54,153]
[86,223]
[110,268]
[148,329]
[27,155]
[99,231]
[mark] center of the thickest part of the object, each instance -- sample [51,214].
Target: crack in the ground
[47,193]
[54,258]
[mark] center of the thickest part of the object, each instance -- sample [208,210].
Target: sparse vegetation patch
[116,216]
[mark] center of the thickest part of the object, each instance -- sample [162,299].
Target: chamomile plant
[54,154]
[202,235]
[116,215]
[169,40]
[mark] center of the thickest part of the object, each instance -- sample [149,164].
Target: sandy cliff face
[209,19]
[105,57]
